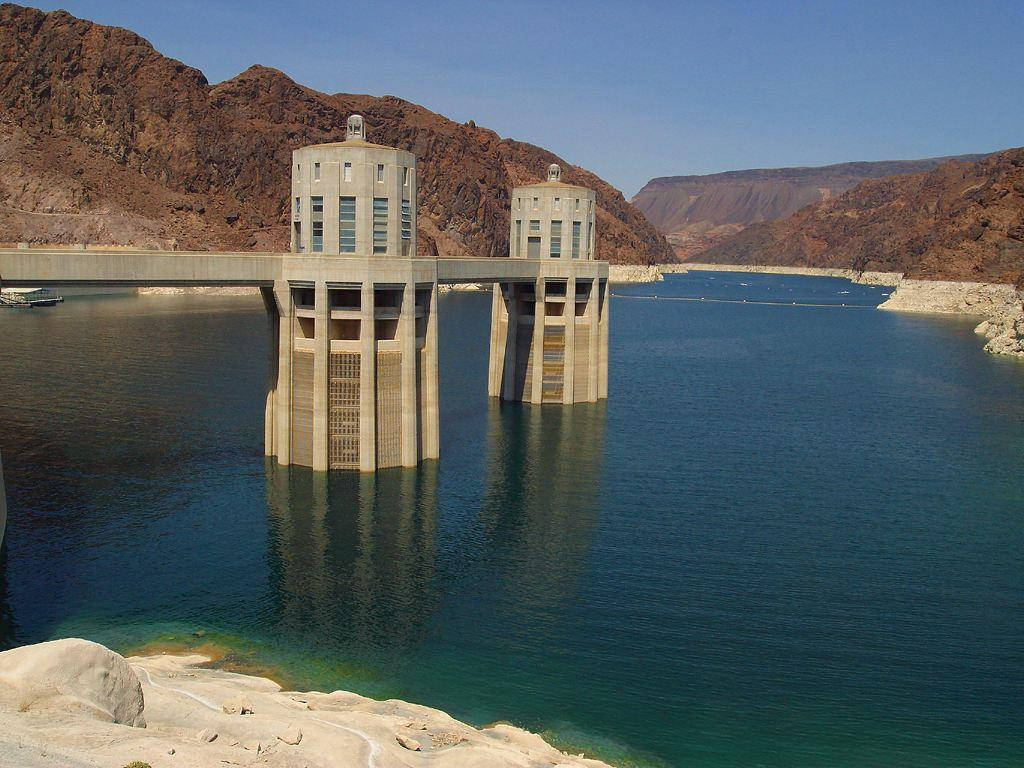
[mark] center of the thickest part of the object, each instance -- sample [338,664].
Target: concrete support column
[269,416]
[321,356]
[283,394]
[602,371]
[497,347]
[537,389]
[429,382]
[511,342]
[407,343]
[569,359]
[594,343]
[367,380]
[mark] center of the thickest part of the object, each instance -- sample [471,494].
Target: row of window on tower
[347,224]
[346,173]
[554,239]
[555,205]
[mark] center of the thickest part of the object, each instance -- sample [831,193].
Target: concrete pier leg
[511,340]
[536,387]
[497,348]
[407,342]
[602,369]
[283,392]
[273,327]
[594,346]
[429,383]
[569,359]
[321,355]
[367,380]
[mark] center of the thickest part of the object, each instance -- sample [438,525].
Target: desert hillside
[104,140]
[960,221]
[697,211]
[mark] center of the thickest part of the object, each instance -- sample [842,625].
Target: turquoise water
[792,537]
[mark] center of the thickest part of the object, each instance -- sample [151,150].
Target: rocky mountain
[104,140]
[697,211]
[960,221]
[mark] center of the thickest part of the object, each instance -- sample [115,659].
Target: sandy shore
[73,703]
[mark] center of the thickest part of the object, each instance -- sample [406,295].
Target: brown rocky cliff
[697,211]
[103,139]
[960,221]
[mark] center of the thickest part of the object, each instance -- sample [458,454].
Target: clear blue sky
[633,90]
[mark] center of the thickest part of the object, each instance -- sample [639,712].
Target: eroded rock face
[106,141]
[71,676]
[698,211]
[960,221]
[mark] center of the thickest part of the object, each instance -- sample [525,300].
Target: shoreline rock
[634,273]
[83,701]
[1001,306]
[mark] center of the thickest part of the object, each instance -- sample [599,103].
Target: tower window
[558,203]
[576,239]
[316,171]
[298,206]
[535,225]
[405,177]
[317,209]
[590,240]
[380,173]
[298,171]
[347,171]
[518,233]
[536,203]
[347,224]
[406,219]
[577,203]
[380,223]
[518,201]
[556,239]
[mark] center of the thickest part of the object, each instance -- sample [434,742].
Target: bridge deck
[39,266]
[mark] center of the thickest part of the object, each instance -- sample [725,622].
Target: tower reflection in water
[352,555]
[360,573]
[540,508]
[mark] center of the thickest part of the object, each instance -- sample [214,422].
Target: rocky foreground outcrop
[73,703]
[104,140]
[960,221]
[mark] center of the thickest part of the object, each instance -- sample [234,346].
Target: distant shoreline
[999,306]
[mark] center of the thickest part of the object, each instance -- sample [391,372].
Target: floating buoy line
[743,301]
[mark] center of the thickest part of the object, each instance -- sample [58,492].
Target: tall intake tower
[549,339]
[354,379]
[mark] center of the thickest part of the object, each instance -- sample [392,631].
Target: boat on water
[29,297]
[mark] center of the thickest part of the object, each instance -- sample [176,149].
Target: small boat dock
[27,298]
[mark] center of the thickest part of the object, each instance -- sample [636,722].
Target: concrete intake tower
[356,383]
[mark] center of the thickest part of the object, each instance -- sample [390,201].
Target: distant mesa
[959,221]
[697,211]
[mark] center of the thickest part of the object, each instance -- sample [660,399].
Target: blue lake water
[792,536]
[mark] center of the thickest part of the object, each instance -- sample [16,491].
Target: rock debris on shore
[74,703]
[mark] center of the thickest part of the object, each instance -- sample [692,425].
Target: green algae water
[792,537]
